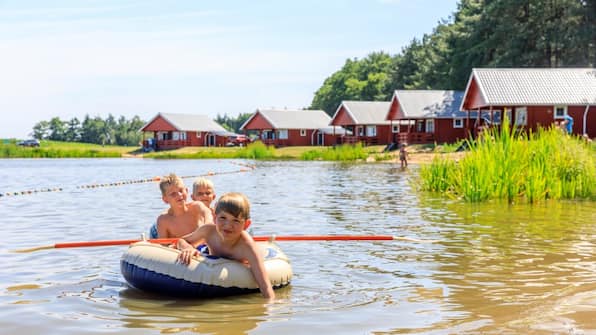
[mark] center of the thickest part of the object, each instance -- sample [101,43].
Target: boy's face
[204,194]
[230,226]
[175,195]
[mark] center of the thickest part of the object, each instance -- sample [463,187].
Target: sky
[73,58]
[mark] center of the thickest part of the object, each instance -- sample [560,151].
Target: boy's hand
[187,251]
[186,255]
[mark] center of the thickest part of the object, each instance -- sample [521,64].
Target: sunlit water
[494,268]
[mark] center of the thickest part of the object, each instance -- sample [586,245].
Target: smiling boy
[228,238]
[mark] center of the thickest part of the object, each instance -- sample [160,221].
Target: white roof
[366,112]
[190,122]
[293,118]
[544,86]
[430,103]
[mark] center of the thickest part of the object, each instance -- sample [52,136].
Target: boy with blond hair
[203,191]
[181,218]
[228,238]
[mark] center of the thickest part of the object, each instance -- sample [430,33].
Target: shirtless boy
[181,218]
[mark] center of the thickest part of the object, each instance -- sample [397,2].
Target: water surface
[495,268]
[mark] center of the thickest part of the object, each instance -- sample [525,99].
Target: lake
[494,268]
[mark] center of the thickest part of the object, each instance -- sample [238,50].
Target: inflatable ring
[154,268]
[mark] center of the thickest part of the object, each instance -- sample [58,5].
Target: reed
[517,166]
[337,153]
[256,150]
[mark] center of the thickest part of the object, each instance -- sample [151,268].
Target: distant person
[403,155]
[228,238]
[568,124]
[182,217]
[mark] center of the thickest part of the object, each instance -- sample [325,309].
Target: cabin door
[320,139]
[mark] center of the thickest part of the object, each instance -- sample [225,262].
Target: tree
[57,129]
[73,130]
[41,130]
[366,80]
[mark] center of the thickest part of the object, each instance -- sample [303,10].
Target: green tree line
[92,130]
[481,33]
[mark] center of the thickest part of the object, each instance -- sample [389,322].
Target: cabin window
[497,116]
[458,123]
[302,132]
[419,126]
[560,112]
[508,115]
[360,130]
[198,134]
[371,131]
[395,128]
[521,116]
[283,134]
[430,126]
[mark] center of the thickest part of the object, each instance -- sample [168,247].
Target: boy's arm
[257,267]
[186,244]
[162,229]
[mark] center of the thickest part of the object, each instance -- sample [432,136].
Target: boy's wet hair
[234,203]
[169,180]
[202,182]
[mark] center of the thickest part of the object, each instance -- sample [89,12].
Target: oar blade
[43,247]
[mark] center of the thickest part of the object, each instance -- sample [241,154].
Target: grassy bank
[257,150]
[517,167]
[55,149]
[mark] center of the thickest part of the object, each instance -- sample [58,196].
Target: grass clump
[337,153]
[512,165]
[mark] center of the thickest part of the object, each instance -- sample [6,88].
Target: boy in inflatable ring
[228,238]
[181,218]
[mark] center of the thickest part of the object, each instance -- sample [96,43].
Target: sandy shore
[427,157]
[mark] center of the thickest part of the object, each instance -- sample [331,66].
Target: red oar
[256,238]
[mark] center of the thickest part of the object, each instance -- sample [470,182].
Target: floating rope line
[128,182]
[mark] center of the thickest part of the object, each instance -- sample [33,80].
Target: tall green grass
[256,150]
[337,153]
[517,166]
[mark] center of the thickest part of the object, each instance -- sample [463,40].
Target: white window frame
[302,132]
[176,136]
[282,134]
[198,134]
[458,123]
[360,130]
[430,126]
[521,116]
[395,128]
[563,109]
[371,131]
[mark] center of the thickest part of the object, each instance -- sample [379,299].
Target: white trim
[302,132]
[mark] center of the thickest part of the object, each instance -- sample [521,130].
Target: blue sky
[72,58]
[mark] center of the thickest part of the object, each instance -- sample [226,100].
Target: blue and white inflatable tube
[154,268]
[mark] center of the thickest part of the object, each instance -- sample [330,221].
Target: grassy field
[55,149]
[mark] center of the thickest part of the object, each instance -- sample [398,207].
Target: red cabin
[282,127]
[532,97]
[171,131]
[426,116]
[364,121]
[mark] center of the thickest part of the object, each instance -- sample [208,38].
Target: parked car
[29,143]
[238,140]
